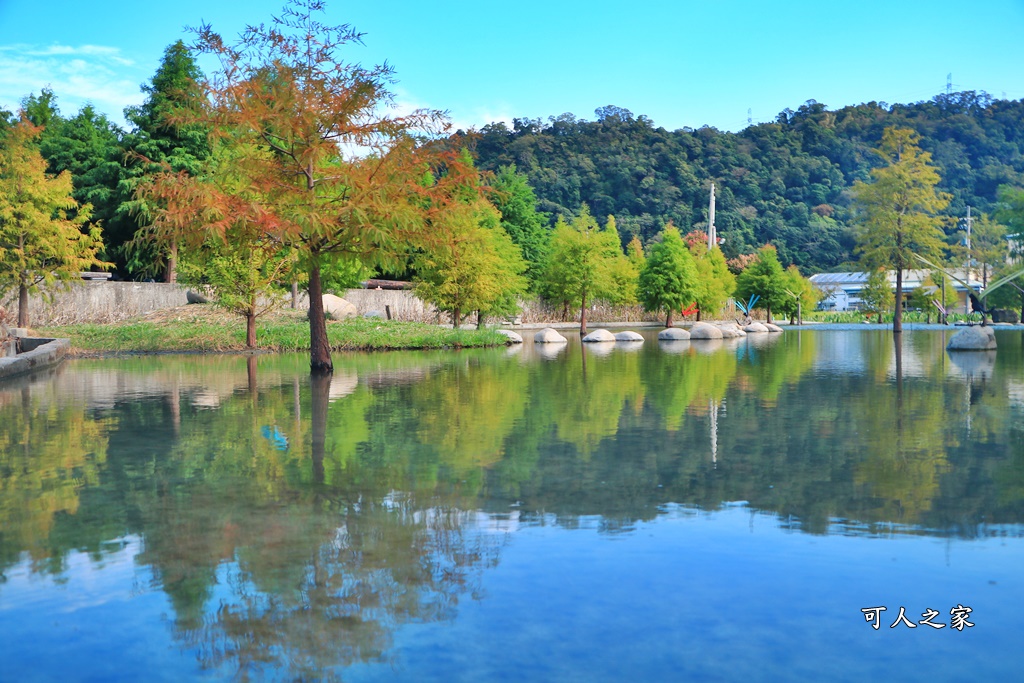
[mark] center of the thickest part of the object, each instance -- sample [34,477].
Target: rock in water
[629,336]
[756,328]
[705,331]
[513,337]
[978,338]
[732,331]
[549,336]
[673,334]
[772,327]
[599,336]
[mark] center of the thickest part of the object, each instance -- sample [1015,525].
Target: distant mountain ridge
[787,182]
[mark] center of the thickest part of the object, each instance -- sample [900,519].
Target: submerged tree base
[202,328]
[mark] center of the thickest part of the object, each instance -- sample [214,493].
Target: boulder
[977,338]
[549,336]
[513,337]
[337,308]
[599,336]
[673,334]
[732,331]
[195,298]
[629,336]
[705,331]
[772,327]
[756,328]
[1005,315]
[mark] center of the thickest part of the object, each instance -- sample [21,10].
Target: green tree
[899,210]
[164,136]
[39,242]
[715,282]
[989,246]
[803,295]
[511,194]
[1010,212]
[765,278]
[877,295]
[668,281]
[584,263]
[88,145]
[472,263]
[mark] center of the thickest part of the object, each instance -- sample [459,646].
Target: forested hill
[786,182]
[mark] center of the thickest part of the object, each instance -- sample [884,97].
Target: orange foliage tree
[325,164]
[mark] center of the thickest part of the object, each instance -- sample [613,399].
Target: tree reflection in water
[296,523]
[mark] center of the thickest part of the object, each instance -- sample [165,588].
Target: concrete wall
[404,304]
[99,302]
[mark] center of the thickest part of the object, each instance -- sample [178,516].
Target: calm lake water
[694,511]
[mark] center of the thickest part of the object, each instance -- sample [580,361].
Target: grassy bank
[204,328]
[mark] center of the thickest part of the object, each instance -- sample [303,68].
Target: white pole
[967,273]
[712,237]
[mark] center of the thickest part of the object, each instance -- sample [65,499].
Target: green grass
[908,317]
[357,334]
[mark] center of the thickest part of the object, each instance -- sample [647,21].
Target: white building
[842,290]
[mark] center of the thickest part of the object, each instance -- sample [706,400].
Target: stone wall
[100,302]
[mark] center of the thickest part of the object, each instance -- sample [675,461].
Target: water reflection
[295,523]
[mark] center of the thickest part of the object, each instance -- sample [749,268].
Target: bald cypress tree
[898,211]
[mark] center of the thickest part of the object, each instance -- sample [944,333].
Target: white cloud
[461,119]
[78,75]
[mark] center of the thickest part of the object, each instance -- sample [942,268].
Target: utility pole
[712,233]
[967,269]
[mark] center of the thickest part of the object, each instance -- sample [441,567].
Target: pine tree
[511,194]
[765,278]
[164,138]
[585,263]
[898,210]
[715,282]
[473,265]
[669,280]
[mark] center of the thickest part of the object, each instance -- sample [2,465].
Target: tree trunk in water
[250,373]
[172,264]
[897,318]
[250,330]
[319,346]
[320,393]
[22,305]
[583,315]
[668,318]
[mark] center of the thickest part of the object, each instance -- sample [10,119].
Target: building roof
[911,279]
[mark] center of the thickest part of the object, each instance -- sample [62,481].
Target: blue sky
[682,63]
